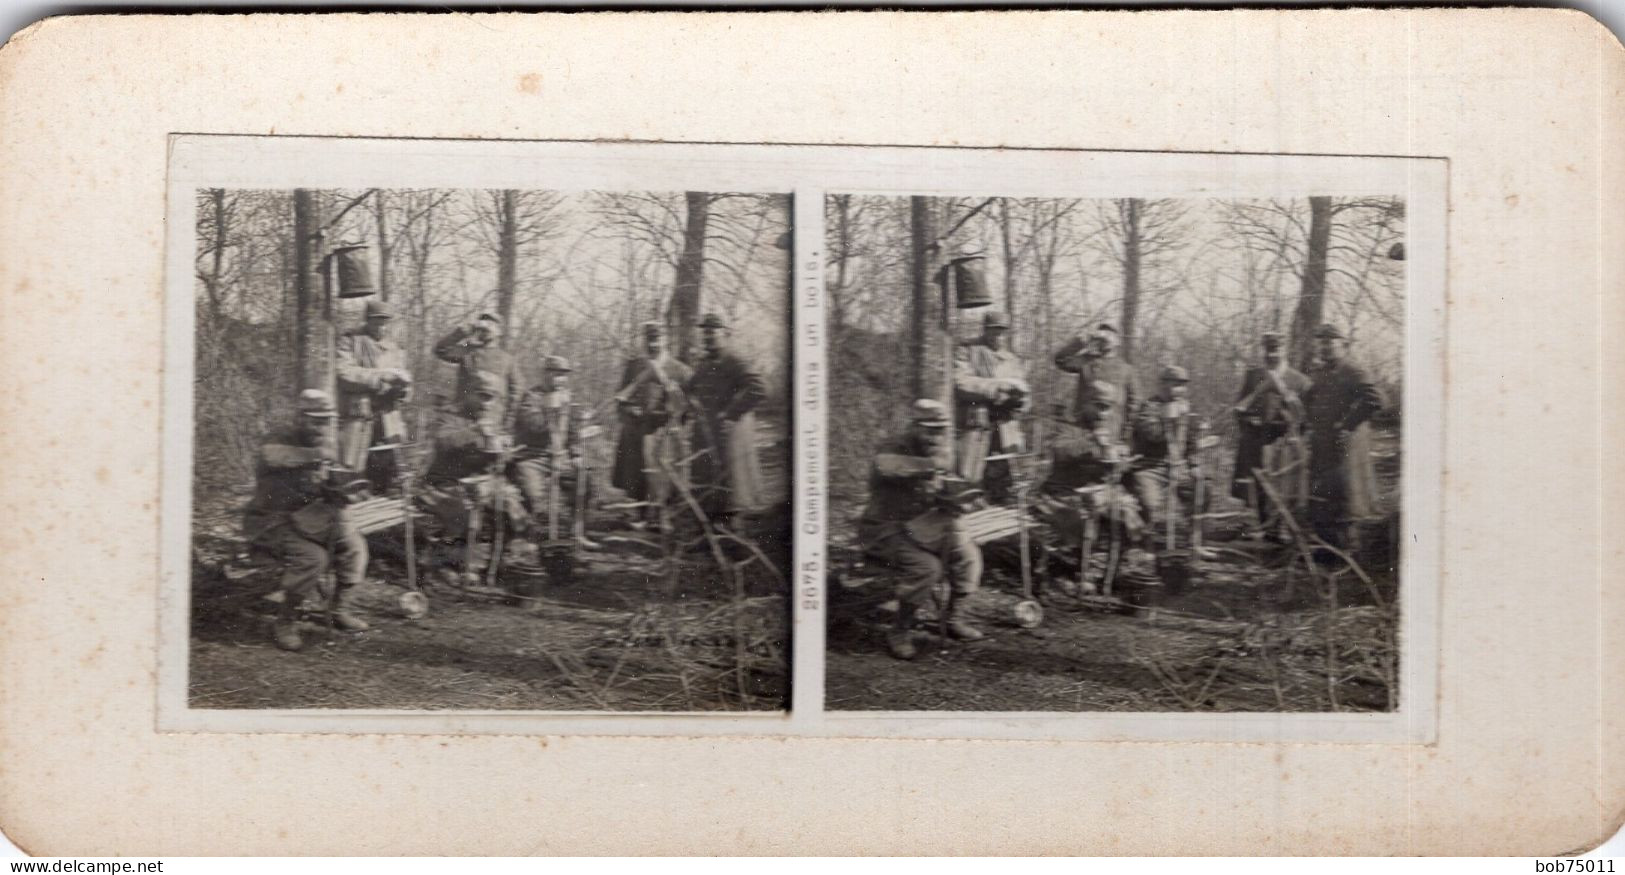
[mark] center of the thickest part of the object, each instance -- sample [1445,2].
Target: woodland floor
[1251,633]
[613,638]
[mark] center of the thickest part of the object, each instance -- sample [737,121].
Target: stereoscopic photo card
[1155,433]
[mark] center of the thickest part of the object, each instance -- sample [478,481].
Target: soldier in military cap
[991,393]
[1093,357]
[373,383]
[298,516]
[1165,437]
[906,528]
[476,349]
[725,390]
[1269,416]
[548,434]
[650,403]
[1339,406]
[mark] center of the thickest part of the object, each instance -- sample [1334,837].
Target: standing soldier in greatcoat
[372,382]
[1269,415]
[476,350]
[724,389]
[907,528]
[1342,482]
[650,403]
[991,393]
[547,433]
[1095,360]
[298,515]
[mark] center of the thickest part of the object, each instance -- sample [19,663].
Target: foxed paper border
[809,173]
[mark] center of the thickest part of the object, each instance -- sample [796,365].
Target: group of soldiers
[1128,460]
[514,452]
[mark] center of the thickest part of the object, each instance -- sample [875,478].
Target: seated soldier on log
[466,476]
[1084,492]
[299,516]
[907,528]
[548,434]
[1165,439]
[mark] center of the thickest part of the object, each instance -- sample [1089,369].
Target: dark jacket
[473,358]
[901,481]
[1108,369]
[1342,481]
[1151,435]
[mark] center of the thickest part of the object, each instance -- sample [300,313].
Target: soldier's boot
[285,629]
[958,627]
[344,616]
[900,637]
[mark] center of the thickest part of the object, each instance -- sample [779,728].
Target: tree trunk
[383,249]
[842,204]
[1009,257]
[1130,210]
[507,259]
[314,315]
[217,197]
[1312,298]
[923,310]
[685,298]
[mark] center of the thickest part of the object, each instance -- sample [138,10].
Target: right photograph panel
[1127,454]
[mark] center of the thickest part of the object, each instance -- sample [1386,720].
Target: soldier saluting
[476,350]
[298,515]
[1094,359]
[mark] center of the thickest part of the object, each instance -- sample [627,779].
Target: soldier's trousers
[533,476]
[1151,488]
[920,570]
[304,559]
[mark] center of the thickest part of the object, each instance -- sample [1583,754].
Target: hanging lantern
[969,286]
[351,271]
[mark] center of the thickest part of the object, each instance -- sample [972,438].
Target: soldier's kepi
[908,528]
[298,516]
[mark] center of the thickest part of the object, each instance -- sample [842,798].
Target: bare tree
[1141,237]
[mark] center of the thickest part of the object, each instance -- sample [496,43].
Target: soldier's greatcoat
[650,406]
[1266,419]
[987,412]
[726,473]
[1111,370]
[368,402]
[474,358]
[1342,482]
[901,478]
[293,520]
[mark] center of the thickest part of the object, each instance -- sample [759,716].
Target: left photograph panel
[489,449]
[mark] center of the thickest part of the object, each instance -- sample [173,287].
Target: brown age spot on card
[1512,200]
[101,473]
[530,83]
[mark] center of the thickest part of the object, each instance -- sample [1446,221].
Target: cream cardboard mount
[1513,184]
